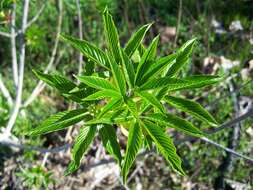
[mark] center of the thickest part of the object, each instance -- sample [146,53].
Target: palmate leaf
[102,94]
[192,108]
[96,82]
[109,139]
[146,60]
[138,84]
[89,50]
[173,84]
[136,40]
[152,100]
[57,81]
[182,57]
[165,146]
[118,77]
[175,122]
[60,121]
[134,143]
[112,36]
[82,143]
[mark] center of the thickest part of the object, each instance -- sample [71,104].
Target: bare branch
[231,123]
[178,22]
[5,34]
[35,148]
[80,26]
[35,18]
[18,100]
[6,93]
[13,46]
[227,149]
[40,86]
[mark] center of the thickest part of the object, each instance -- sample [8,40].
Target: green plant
[36,177]
[134,91]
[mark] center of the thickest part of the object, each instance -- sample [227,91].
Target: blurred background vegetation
[224,29]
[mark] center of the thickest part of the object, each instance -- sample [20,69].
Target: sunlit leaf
[151,99]
[102,94]
[109,139]
[89,50]
[182,57]
[115,102]
[134,143]
[82,143]
[165,146]
[60,121]
[128,69]
[118,76]
[136,40]
[96,82]
[112,36]
[146,60]
[57,81]
[192,108]
[173,84]
[173,121]
[158,66]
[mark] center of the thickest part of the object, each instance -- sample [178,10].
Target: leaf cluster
[133,96]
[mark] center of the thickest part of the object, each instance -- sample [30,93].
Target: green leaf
[78,94]
[102,94]
[118,76]
[89,50]
[57,81]
[165,146]
[192,108]
[158,66]
[182,57]
[175,122]
[134,143]
[173,84]
[141,49]
[128,69]
[109,139]
[115,102]
[151,99]
[131,105]
[60,121]
[112,35]
[82,143]
[136,40]
[146,60]
[96,82]
[114,117]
